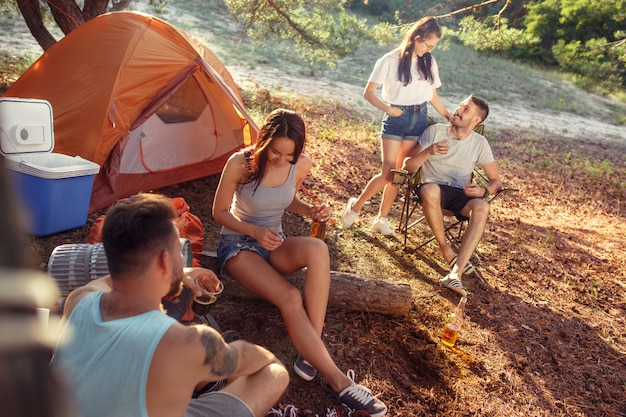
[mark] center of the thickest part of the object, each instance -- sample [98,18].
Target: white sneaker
[349,216]
[381,225]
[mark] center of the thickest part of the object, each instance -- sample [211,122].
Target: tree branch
[474,7]
[294,26]
[502,11]
[67,14]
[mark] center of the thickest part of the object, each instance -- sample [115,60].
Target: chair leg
[421,245]
[407,226]
[407,212]
[404,216]
[451,237]
[447,230]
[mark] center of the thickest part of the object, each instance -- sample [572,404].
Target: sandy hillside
[14,37]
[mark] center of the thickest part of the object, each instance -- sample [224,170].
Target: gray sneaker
[304,369]
[349,216]
[357,397]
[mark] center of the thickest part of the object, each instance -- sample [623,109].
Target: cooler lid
[25,126]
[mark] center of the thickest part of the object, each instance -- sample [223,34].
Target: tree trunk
[347,291]
[93,8]
[67,14]
[32,16]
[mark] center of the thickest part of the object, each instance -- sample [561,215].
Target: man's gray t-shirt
[454,168]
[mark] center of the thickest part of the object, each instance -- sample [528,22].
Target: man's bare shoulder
[100,284]
[201,347]
[182,363]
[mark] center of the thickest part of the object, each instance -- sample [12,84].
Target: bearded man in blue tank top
[124,357]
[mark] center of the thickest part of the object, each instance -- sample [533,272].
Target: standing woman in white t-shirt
[409,77]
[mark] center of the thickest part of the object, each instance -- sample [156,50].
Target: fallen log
[347,291]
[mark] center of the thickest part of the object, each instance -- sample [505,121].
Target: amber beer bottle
[453,326]
[318,228]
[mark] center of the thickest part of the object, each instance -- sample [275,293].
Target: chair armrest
[500,192]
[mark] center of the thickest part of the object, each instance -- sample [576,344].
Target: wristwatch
[486,193]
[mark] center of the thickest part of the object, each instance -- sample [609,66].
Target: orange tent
[146,101]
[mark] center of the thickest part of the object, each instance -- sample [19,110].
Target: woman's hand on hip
[394,111]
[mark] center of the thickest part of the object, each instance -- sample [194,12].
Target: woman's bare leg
[257,275]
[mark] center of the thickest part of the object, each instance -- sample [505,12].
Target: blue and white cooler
[53,189]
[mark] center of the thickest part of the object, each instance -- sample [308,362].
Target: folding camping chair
[453,227]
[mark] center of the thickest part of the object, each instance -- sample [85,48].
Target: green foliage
[402,11]
[492,36]
[593,60]
[11,65]
[597,170]
[321,31]
[158,5]
[542,20]
[581,37]
[7,6]
[396,11]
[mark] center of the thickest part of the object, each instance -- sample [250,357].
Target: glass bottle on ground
[454,324]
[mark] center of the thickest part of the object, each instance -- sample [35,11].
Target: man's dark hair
[135,230]
[483,107]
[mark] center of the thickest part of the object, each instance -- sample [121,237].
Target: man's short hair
[137,229]
[483,107]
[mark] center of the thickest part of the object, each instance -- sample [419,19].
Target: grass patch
[11,65]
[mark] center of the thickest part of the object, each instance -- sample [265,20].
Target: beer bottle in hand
[318,227]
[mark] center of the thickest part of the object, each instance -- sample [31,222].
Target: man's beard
[177,285]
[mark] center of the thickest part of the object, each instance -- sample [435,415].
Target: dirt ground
[547,308]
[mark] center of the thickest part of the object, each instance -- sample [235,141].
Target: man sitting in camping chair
[447,155]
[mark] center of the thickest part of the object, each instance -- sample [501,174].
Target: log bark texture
[347,291]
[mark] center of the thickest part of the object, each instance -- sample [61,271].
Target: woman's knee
[385,172]
[290,301]
[315,252]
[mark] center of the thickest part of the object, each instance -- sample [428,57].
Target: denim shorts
[408,126]
[230,245]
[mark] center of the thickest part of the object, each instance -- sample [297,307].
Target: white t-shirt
[455,167]
[418,91]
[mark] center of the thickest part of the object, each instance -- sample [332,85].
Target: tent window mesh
[185,105]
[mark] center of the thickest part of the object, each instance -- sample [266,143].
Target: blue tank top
[263,206]
[107,362]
